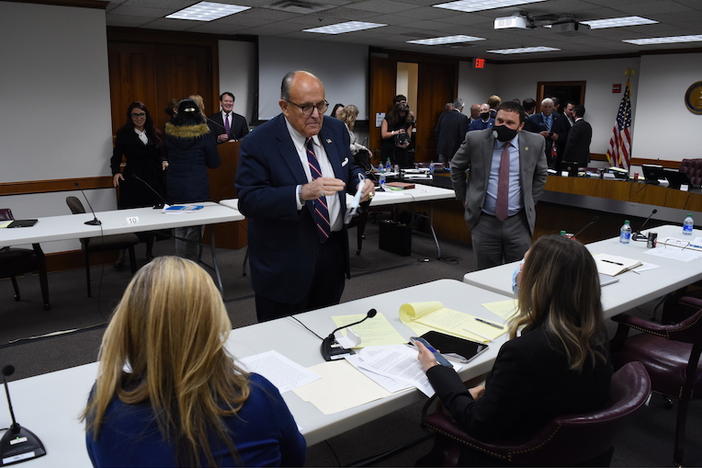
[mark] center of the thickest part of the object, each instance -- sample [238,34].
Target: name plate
[132,220]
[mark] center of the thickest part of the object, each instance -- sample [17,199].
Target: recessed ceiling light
[523,50]
[480,5]
[664,40]
[341,28]
[446,40]
[618,22]
[207,11]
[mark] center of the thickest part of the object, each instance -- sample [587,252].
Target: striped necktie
[321,212]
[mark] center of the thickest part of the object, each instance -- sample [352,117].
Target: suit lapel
[524,156]
[489,150]
[288,152]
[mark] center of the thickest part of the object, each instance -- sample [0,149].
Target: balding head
[302,102]
[474,111]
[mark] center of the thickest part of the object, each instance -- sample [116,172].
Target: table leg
[215,266]
[433,233]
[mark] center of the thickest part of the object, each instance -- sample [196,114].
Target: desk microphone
[94,221]
[637,235]
[582,229]
[18,443]
[157,206]
[332,350]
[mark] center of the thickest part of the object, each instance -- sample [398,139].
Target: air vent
[298,6]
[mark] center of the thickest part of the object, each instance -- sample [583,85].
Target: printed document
[280,370]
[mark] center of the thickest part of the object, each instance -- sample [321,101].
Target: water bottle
[381,168]
[388,166]
[688,225]
[381,181]
[625,233]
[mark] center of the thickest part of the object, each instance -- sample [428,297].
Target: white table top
[50,404]
[419,193]
[632,289]
[55,228]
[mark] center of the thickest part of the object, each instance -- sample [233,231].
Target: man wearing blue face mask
[499,175]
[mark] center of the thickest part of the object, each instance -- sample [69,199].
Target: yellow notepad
[376,331]
[503,309]
[434,316]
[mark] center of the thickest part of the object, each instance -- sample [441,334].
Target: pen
[610,261]
[489,323]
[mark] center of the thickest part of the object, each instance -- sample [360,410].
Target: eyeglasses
[138,114]
[307,109]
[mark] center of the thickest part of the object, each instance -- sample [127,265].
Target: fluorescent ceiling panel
[523,50]
[618,22]
[207,11]
[480,5]
[664,40]
[348,26]
[446,40]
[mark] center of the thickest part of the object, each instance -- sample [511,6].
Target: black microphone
[157,206]
[582,229]
[217,124]
[332,350]
[637,235]
[18,443]
[94,221]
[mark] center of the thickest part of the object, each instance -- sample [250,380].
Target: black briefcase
[395,237]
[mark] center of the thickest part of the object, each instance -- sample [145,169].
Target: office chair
[15,262]
[693,169]
[104,243]
[575,440]
[671,354]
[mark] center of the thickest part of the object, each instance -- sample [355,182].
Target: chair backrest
[75,205]
[576,439]
[693,169]
[6,214]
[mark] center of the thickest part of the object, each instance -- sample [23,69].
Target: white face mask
[515,275]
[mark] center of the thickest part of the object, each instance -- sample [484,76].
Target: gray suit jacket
[470,169]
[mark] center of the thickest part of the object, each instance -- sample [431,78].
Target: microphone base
[331,350]
[93,222]
[20,444]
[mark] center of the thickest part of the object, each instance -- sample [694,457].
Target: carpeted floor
[645,440]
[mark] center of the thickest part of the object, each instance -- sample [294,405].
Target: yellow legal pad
[503,309]
[376,331]
[434,316]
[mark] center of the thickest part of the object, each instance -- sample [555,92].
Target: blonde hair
[199,101]
[349,114]
[494,101]
[169,331]
[560,290]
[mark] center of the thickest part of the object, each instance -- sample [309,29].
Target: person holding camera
[396,133]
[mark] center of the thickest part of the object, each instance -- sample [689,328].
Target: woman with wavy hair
[169,394]
[556,360]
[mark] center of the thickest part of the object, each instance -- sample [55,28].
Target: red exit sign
[478,63]
[616,88]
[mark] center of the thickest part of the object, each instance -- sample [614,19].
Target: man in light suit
[227,124]
[499,175]
[293,176]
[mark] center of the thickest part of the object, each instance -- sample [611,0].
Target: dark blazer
[529,385]
[480,124]
[190,151]
[537,124]
[450,132]
[283,242]
[578,146]
[475,155]
[143,161]
[562,127]
[238,130]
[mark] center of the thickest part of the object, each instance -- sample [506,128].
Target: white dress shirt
[142,135]
[333,203]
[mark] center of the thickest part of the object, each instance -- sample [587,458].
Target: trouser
[496,242]
[187,241]
[328,283]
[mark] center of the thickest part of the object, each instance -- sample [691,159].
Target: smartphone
[437,355]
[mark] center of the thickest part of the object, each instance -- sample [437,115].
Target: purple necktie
[503,185]
[321,212]
[227,127]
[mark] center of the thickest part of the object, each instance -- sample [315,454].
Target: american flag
[619,151]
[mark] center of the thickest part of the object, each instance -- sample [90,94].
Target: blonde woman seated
[169,394]
[559,363]
[348,115]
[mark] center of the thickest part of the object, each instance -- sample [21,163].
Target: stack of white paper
[280,370]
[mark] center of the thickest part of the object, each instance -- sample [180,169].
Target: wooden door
[437,86]
[383,80]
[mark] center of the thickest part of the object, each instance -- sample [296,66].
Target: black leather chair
[671,354]
[575,440]
[101,244]
[15,262]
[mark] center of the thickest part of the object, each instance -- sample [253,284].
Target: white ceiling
[417,19]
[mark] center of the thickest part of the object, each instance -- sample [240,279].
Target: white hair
[547,101]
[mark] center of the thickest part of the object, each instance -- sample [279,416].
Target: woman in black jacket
[140,181]
[558,364]
[190,150]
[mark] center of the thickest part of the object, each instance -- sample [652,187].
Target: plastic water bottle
[688,225]
[381,181]
[388,166]
[625,233]
[381,168]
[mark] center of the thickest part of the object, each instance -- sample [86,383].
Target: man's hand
[554,136]
[222,138]
[116,179]
[477,392]
[320,187]
[368,190]
[426,357]
[544,133]
[164,165]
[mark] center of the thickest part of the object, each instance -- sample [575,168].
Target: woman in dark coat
[190,149]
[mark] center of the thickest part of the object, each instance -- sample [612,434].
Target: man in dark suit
[474,113]
[543,124]
[485,121]
[450,131]
[227,124]
[561,127]
[577,148]
[507,176]
[293,176]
